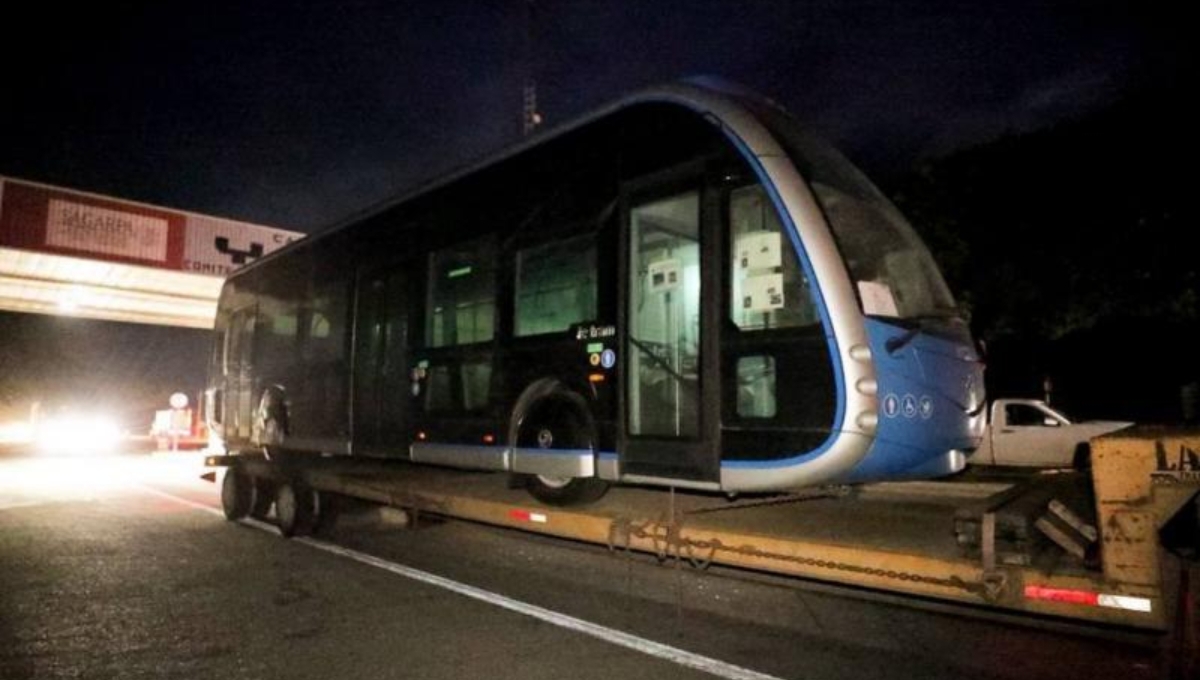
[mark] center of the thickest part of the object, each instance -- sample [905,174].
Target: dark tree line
[1071,248]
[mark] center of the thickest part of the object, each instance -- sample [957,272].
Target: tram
[684,288]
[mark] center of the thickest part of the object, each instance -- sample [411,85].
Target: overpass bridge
[75,253]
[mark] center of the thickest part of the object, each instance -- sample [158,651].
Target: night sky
[297,114]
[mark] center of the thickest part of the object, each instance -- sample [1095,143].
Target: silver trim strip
[608,467]
[462,456]
[554,462]
[548,462]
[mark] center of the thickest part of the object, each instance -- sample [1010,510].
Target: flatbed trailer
[1114,551]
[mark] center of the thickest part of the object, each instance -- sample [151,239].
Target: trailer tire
[294,509]
[264,498]
[560,428]
[237,494]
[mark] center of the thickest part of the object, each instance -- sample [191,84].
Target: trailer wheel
[293,509]
[562,430]
[264,497]
[237,492]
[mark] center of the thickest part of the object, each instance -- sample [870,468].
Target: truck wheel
[293,509]
[562,430]
[237,493]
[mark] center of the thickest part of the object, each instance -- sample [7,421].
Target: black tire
[264,498]
[293,509]
[237,493]
[560,429]
[575,491]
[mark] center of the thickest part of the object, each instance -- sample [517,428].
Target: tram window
[556,286]
[767,288]
[475,380]
[462,295]
[278,328]
[324,340]
[440,394]
[476,384]
[756,387]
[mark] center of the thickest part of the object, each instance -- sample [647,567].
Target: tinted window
[756,387]
[325,327]
[462,295]
[556,286]
[767,287]
[277,329]
[476,384]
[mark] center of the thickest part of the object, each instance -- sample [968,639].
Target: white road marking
[675,655]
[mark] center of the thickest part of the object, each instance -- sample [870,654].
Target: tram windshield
[893,272]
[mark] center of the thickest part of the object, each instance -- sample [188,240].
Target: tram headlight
[867,421]
[867,386]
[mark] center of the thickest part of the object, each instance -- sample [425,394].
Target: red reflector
[526,516]
[1062,595]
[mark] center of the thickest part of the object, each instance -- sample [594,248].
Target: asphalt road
[121,568]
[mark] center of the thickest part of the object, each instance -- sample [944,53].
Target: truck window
[1024,415]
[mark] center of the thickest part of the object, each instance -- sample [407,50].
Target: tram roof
[707,96]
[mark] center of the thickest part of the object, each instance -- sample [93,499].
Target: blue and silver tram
[683,289]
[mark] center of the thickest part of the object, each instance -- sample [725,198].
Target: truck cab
[1029,433]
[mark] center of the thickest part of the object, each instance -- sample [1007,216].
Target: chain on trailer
[667,542]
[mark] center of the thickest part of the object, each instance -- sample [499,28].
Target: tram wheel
[293,509]
[237,491]
[563,430]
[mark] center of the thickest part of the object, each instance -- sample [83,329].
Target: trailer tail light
[1062,595]
[1135,604]
[1085,597]
[527,516]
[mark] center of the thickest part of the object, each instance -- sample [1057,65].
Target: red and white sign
[61,221]
[101,231]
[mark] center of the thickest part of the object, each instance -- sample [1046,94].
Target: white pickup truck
[1028,432]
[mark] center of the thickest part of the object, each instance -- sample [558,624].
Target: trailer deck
[906,538]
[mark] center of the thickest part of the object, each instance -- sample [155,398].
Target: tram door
[382,387]
[669,374]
